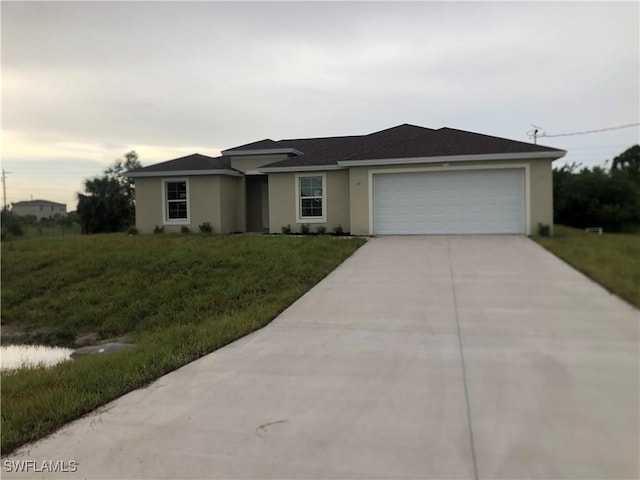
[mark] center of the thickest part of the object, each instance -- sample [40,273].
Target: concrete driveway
[419,357]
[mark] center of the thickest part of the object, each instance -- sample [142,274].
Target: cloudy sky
[85,82]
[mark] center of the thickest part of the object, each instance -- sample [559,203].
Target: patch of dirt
[85,339]
[12,335]
[8,333]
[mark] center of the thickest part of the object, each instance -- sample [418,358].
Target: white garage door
[453,202]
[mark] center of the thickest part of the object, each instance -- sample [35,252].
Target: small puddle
[13,357]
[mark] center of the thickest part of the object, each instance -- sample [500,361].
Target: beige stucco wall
[148,194]
[540,189]
[338,200]
[282,201]
[211,199]
[282,206]
[229,187]
[252,162]
[241,205]
[204,200]
[541,183]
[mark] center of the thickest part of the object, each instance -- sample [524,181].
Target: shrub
[321,230]
[132,231]
[304,229]
[286,230]
[184,229]
[338,231]
[11,225]
[544,230]
[158,229]
[29,219]
[594,197]
[205,227]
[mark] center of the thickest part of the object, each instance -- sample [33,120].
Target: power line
[592,131]
[540,132]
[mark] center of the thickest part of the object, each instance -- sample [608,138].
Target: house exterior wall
[541,184]
[338,200]
[540,189]
[229,187]
[221,200]
[204,203]
[211,199]
[252,162]
[282,201]
[148,194]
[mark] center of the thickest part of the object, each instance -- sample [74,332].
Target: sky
[85,82]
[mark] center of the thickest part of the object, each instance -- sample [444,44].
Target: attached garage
[486,201]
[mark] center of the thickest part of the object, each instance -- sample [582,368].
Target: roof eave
[183,173]
[261,151]
[300,168]
[554,155]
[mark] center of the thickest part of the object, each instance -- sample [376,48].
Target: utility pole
[4,188]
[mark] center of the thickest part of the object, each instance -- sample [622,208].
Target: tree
[117,172]
[628,163]
[109,204]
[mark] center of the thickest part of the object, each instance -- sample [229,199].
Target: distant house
[39,208]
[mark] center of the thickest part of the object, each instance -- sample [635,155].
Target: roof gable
[265,144]
[194,161]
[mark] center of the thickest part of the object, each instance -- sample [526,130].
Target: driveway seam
[464,370]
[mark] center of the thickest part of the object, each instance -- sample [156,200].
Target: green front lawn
[611,259]
[178,297]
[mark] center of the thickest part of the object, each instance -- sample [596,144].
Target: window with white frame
[311,198]
[176,201]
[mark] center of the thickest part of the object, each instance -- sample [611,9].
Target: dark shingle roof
[308,145]
[449,141]
[402,141]
[190,162]
[352,146]
[410,141]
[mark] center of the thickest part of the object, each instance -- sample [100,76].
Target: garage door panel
[456,202]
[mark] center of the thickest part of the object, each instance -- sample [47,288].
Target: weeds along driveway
[419,357]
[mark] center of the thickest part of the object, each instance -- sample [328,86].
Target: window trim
[298,198]
[165,218]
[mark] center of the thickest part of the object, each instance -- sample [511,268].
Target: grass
[177,297]
[611,259]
